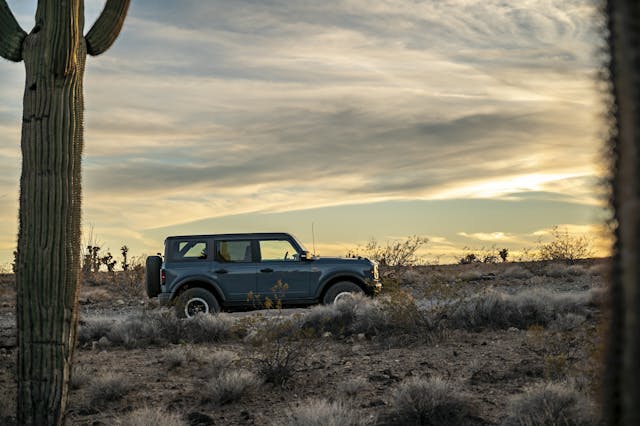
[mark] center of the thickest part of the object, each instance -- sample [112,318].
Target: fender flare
[202,281]
[340,276]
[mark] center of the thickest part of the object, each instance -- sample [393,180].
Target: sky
[473,123]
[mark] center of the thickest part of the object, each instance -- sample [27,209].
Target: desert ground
[479,344]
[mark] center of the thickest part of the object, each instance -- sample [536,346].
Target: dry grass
[319,412]
[156,328]
[231,386]
[550,404]
[150,417]
[353,387]
[433,401]
[107,389]
[521,310]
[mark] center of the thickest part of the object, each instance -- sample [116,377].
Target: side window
[277,250]
[234,251]
[189,250]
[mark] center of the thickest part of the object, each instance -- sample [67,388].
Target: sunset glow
[468,122]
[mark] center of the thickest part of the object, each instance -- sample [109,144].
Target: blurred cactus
[622,378]
[48,255]
[125,261]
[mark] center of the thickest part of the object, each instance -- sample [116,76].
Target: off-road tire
[338,289]
[152,275]
[196,300]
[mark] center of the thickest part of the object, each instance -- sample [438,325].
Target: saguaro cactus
[48,258]
[622,379]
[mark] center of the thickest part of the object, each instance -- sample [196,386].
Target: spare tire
[152,275]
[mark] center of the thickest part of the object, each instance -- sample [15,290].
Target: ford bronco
[205,273]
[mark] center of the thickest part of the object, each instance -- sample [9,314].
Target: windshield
[297,241]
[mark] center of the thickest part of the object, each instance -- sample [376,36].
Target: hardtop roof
[237,235]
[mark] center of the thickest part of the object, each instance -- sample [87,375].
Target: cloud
[207,109]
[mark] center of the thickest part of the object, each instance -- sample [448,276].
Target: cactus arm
[11,35]
[107,27]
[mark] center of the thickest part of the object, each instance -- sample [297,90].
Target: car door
[281,273]
[235,269]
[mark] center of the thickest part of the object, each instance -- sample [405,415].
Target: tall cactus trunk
[48,256]
[622,379]
[49,235]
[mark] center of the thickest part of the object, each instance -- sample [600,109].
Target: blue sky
[468,122]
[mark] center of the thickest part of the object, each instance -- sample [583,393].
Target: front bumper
[375,287]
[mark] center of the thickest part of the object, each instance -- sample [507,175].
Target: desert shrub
[567,322]
[209,363]
[353,387]
[559,270]
[432,401]
[214,362]
[93,329]
[337,318]
[231,386]
[157,328]
[470,275]
[393,253]
[106,389]
[498,310]
[206,328]
[278,361]
[550,404]
[565,247]
[150,417]
[80,377]
[174,357]
[516,271]
[393,317]
[555,366]
[319,412]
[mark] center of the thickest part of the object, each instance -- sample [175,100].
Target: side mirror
[305,255]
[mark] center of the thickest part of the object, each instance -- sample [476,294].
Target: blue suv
[204,273]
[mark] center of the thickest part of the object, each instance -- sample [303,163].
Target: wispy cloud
[208,109]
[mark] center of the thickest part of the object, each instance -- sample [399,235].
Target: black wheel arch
[341,278]
[188,283]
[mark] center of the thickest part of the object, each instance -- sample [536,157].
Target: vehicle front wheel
[340,291]
[195,301]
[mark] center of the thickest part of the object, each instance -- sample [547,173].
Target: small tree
[565,247]
[396,253]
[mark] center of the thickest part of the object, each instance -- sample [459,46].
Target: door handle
[220,271]
[266,270]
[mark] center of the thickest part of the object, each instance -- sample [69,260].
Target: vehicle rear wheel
[340,291]
[195,301]
[152,275]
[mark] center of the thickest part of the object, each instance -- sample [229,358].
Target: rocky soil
[489,365]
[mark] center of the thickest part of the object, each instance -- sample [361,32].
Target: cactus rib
[11,34]
[107,27]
